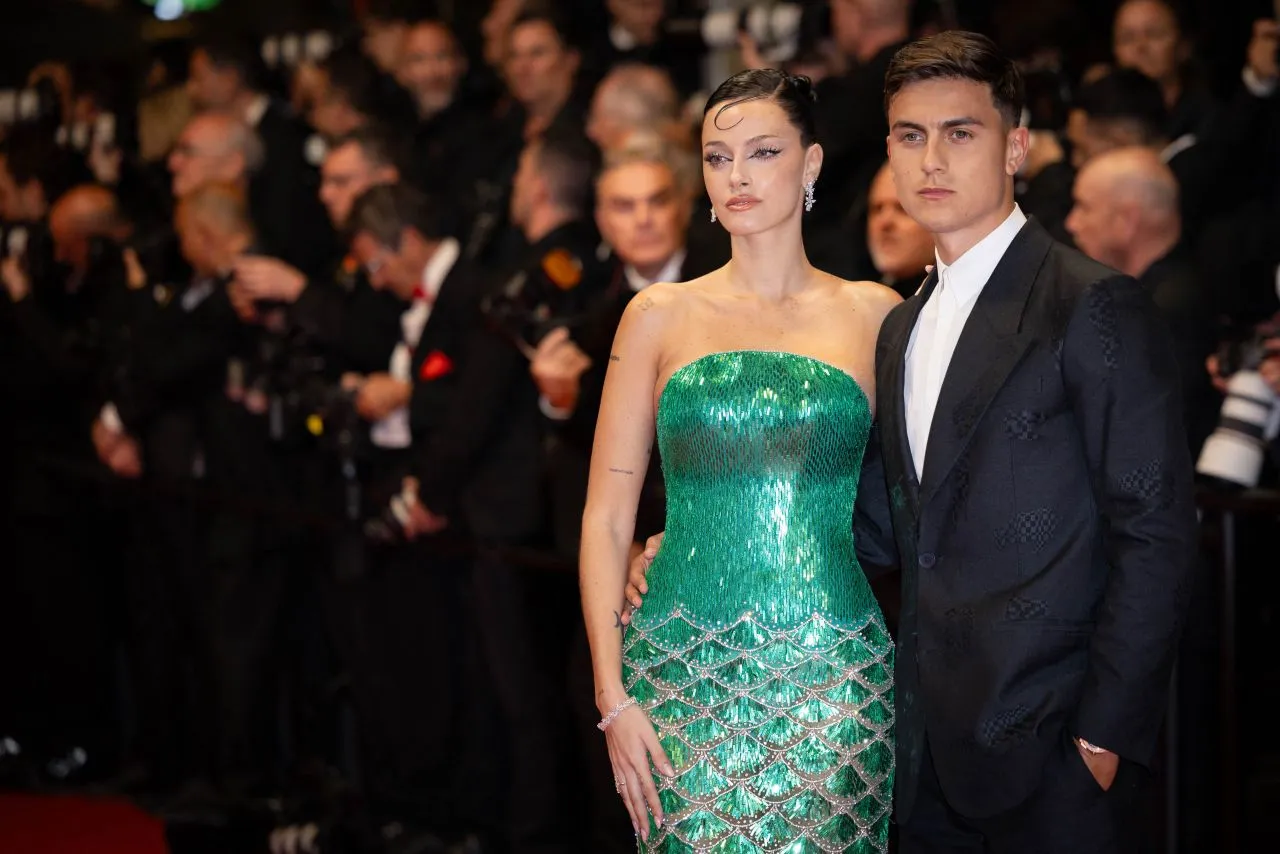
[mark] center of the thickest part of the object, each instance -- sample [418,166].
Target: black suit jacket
[1047,552]
[474,414]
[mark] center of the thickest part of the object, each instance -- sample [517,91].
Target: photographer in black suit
[482,470]
[397,624]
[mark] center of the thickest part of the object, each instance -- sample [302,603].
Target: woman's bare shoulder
[870,297]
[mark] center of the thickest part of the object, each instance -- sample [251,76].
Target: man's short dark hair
[228,51]
[354,79]
[958,55]
[568,162]
[549,14]
[377,145]
[386,210]
[1126,97]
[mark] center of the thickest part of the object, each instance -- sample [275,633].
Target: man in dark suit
[397,624]
[482,470]
[1040,491]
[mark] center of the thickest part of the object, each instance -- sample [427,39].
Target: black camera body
[1244,354]
[558,292]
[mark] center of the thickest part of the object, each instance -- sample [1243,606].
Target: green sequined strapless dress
[760,653]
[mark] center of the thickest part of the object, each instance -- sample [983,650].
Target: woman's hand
[637,583]
[633,746]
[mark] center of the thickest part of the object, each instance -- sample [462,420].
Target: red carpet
[48,825]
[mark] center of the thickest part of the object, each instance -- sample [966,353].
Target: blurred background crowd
[305,313]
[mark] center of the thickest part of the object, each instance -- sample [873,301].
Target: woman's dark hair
[793,94]
[958,55]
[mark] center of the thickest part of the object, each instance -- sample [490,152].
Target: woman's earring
[713,214]
[808,197]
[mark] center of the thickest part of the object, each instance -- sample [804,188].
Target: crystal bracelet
[614,712]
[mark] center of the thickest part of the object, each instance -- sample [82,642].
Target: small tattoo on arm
[613,358]
[617,621]
[621,471]
[645,304]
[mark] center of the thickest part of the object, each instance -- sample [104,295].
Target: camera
[1249,419]
[531,304]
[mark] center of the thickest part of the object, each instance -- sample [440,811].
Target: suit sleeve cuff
[110,418]
[1257,86]
[555,413]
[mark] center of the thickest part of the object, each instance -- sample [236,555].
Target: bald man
[1126,215]
[219,147]
[631,98]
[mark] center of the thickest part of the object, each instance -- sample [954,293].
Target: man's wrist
[1089,747]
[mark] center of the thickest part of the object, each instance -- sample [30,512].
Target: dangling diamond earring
[808,197]
[713,214]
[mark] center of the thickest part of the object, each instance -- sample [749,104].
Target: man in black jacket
[1040,491]
[482,469]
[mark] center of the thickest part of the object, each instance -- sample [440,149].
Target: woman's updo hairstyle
[793,94]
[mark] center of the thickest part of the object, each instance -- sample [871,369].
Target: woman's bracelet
[614,712]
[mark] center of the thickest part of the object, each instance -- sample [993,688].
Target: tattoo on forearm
[621,471]
[645,304]
[617,621]
[614,358]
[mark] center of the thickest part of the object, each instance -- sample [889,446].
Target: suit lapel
[892,403]
[990,346]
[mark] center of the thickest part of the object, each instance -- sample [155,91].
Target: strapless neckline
[691,365]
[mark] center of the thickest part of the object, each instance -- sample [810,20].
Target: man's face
[642,214]
[202,156]
[1093,221]
[344,175]
[604,126]
[1146,38]
[953,157]
[210,87]
[430,67]
[899,246]
[539,67]
[388,268]
[846,25]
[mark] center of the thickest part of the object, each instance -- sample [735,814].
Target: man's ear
[1017,144]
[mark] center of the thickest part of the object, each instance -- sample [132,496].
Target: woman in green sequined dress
[749,705]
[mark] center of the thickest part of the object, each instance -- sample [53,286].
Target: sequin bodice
[761,453]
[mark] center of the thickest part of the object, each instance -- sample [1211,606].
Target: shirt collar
[669,273]
[621,38]
[256,110]
[970,272]
[440,265]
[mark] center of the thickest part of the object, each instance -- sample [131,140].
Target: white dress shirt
[939,325]
[393,431]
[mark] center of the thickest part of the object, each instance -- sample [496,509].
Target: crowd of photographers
[300,383]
